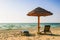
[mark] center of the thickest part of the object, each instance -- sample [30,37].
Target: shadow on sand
[52,34]
[43,34]
[29,35]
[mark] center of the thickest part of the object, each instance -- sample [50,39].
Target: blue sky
[14,11]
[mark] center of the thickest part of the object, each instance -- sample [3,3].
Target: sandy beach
[15,35]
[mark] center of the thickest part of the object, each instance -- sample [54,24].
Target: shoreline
[14,34]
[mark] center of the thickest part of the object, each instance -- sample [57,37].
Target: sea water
[25,25]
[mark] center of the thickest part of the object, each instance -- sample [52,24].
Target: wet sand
[15,35]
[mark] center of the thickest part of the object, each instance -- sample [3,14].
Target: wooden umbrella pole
[38,24]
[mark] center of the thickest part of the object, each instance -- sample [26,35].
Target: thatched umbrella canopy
[39,12]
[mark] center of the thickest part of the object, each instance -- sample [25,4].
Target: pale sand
[15,35]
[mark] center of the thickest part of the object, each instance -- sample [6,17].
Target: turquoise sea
[25,25]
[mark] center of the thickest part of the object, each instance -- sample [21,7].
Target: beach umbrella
[39,12]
